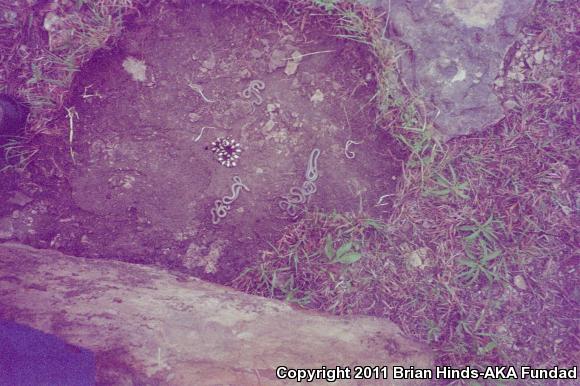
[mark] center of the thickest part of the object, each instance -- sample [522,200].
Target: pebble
[510,104]
[416,257]
[291,68]
[317,97]
[520,282]
[277,60]
[539,56]
[271,107]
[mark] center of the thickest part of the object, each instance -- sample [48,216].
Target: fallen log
[149,326]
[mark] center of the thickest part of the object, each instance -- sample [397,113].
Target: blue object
[13,115]
[29,357]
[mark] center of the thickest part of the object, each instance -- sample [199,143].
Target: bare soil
[138,181]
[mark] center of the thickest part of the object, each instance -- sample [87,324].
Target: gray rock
[277,60]
[457,47]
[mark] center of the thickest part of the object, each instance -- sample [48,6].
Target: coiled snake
[254,89]
[298,196]
[222,207]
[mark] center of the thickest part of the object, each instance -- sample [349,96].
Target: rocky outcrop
[456,49]
[147,326]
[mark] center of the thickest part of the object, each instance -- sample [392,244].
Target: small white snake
[201,132]
[254,89]
[348,153]
[222,207]
[301,195]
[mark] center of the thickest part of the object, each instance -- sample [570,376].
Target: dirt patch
[144,178]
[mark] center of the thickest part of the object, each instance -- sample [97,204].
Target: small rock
[317,97]
[136,68]
[510,104]
[271,107]
[194,117]
[6,228]
[539,56]
[292,65]
[415,258]
[291,68]
[520,282]
[277,60]
[296,56]
[58,28]
[51,21]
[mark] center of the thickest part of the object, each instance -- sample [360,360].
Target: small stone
[415,258]
[136,68]
[51,21]
[539,56]
[317,97]
[194,117]
[520,282]
[6,228]
[510,104]
[277,60]
[296,56]
[291,68]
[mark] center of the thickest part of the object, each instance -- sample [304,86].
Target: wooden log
[149,326]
